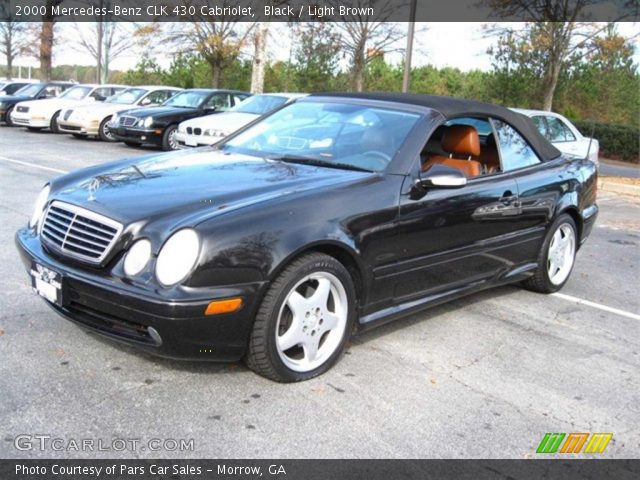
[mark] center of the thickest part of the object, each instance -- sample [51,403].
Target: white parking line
[33,165]
[597,305]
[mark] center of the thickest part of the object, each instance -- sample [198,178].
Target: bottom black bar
[318,469]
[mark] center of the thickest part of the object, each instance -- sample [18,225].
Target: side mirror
[211,109]
[441,176]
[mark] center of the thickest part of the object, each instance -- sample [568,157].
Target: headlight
[38,209]
[177,257]
[137,257]
[147,121]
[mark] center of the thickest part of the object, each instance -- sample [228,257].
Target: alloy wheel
[561,254]
[312,322]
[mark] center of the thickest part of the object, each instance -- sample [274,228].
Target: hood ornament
[93,188]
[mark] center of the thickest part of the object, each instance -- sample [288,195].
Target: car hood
[157,111]
[50,104]
[228,121]
[99,110]
[187,187]
[14,98]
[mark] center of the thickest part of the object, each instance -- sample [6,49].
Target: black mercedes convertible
[331,215]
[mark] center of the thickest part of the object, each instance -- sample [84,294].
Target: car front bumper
[190,140]
[27,119]
[145,317]
[141,136]
[89,128]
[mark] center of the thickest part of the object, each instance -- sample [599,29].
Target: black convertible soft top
[452,107]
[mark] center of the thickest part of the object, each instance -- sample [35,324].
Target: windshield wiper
[316,162]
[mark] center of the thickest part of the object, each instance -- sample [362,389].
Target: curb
[623,188]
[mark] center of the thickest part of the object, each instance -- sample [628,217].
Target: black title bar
[317,10]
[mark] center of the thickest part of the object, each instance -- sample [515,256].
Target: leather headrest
[461,139]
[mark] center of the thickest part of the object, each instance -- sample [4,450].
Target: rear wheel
[53,126]
[169,141]
[104,133]
[7,117]
[556,257]
[304,320]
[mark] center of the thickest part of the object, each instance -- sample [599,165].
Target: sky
[461,45]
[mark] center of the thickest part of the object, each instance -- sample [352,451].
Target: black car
[33,91]
[334,213]
[9,87]
[158,125]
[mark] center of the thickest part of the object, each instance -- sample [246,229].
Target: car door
[540,184]
[455,238]
[563,138]
[220,101]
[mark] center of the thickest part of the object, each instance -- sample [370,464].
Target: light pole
[406,80]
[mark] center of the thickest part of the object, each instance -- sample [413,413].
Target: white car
[92,119]
[211,129]
[563,134]
[39,114]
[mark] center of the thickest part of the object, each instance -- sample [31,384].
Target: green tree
[315,56]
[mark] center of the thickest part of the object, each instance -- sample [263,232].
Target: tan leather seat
[461,140]
[489,157]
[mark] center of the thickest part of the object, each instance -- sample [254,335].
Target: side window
[516,152]
[220,102]
[239,98]
[558,131]
[541,126]
[100,94]
[155,98]
[51,91]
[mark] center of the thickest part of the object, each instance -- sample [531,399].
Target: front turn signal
[223,306]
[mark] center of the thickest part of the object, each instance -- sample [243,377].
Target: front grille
[79,233]
[72,128]
[127,121]
[22,109]
[189,130]
[197,131]
[20,121]
[67,114]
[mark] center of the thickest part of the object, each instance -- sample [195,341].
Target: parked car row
[166,117]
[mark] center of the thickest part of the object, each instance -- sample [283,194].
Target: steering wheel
[381,158]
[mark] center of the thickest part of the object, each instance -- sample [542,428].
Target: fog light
[223,306]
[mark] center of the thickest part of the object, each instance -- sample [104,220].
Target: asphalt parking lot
[483,377]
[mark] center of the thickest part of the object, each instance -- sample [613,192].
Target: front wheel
[556,257]
[304,320]
[169,141]
[7,117]
[53,126]
[104,133]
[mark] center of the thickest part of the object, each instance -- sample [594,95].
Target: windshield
[333,134]
[76,93]
[187,99]
[127,97]
[30,90]
[260,104]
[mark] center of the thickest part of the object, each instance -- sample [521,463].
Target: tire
[131,144]
[53,126]
[562,230]
[268,354]
[168,138]
[7,117]
[103,132]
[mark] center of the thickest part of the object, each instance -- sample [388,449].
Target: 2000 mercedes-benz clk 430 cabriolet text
[334,213]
